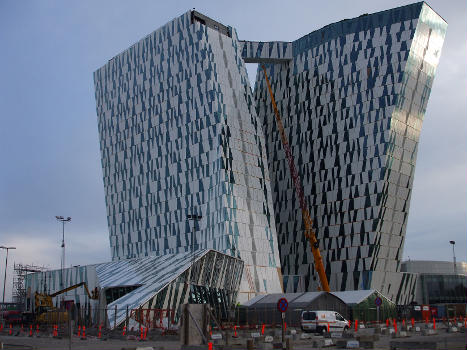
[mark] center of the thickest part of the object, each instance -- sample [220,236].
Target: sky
[49,150]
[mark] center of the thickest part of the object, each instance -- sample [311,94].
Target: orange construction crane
[309,234]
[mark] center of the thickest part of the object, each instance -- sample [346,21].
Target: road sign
[282,305]
[378,301]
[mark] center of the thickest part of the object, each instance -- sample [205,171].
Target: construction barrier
[154,318]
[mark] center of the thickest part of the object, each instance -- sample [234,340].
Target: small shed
[263,309]
[362,305]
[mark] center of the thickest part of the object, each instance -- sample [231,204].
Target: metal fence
[96,320]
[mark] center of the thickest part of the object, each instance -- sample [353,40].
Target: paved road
[20,343]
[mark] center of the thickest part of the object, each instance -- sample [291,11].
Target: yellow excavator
[46,312]
[309,234]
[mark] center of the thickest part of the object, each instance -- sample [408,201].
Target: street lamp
[454,256]
[6,265]
[194,218]
[62,265]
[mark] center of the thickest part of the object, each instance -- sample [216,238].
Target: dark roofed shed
[264,310]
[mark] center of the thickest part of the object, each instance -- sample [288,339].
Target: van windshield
[308,316]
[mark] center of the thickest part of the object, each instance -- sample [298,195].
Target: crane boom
[74,287]
[309,234]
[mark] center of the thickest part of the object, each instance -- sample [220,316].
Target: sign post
[378,302]
[282,306]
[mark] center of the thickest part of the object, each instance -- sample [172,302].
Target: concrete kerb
[429,332]
[400,334]
[272,336]
[425,345]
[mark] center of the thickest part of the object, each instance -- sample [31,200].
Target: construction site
[265,218]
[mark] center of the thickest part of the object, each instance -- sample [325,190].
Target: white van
[317,321]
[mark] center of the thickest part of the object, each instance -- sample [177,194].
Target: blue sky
[48,135]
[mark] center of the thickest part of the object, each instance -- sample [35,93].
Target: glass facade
[192,159]
[183,157]
[150,282]
[352,99]
[440,289]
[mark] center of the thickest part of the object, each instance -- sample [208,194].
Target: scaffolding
[19,289]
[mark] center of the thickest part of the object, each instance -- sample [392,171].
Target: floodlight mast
[62,264]
[453,243]
[6,266]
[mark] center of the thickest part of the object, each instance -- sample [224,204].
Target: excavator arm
[309,234]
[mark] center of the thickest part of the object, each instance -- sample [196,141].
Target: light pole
[454,256]
[194,218]
[62,265]
[6,266]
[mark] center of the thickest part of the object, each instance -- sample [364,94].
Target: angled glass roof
[153,273]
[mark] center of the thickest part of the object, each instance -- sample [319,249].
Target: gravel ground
[448,341]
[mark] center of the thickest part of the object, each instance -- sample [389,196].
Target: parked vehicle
[318,321]
[11,312]
[12,316]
